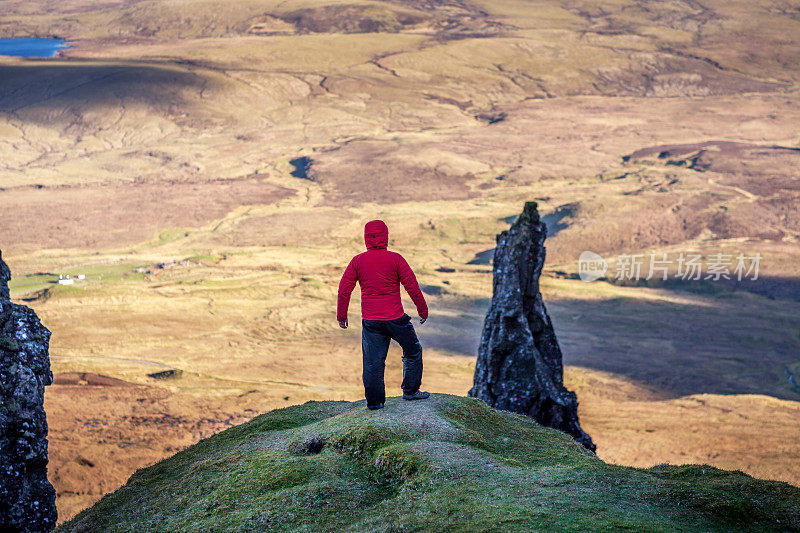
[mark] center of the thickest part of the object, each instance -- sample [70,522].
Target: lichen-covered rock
[27,499]
[5,275]
[519,365]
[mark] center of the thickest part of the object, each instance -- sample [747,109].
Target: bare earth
[209,166]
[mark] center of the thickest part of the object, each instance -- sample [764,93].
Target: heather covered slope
[443,464]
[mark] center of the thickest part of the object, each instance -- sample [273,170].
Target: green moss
[514,438]
[730,498]
[360,439]
[400,462]
[445,464]
[290,417]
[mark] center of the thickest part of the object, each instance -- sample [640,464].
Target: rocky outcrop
[5,275]
[27,499]
[519,364]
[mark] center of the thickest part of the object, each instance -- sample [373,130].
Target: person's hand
[343,324]
[422,320]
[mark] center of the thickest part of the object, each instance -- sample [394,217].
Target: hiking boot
[374,407]
[419,395]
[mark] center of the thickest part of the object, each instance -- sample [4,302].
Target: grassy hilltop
[450,463]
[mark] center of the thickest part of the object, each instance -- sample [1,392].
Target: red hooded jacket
[380,273]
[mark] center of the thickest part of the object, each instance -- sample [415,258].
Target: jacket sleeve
[409,282]
[346,286]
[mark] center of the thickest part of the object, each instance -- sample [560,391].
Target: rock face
[519,364]
[27,499]
[5,275]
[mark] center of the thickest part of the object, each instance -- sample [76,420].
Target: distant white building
[65,280]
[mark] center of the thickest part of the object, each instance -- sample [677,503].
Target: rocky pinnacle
[519,365]
[27,499]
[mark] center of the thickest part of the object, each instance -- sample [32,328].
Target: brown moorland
[208,166]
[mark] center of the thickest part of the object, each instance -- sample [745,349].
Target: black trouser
[375,338]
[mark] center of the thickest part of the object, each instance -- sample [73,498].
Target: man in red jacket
[380,273]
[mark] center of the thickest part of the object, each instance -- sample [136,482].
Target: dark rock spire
[519,365]
[27,499]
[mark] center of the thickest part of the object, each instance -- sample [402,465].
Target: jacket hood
[376,235]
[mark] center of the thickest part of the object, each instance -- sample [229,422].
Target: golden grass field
[155,158]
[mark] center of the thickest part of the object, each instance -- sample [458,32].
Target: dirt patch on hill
[352,19]
[103,216]
[668,75]
[384,182]
[763,182]
[646,218]
[280,229]
[728,149]
[446,19]
[726,157]
[682,15]
[88,379]
[384,172]
[455,19]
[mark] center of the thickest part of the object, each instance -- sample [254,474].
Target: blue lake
[31,47]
